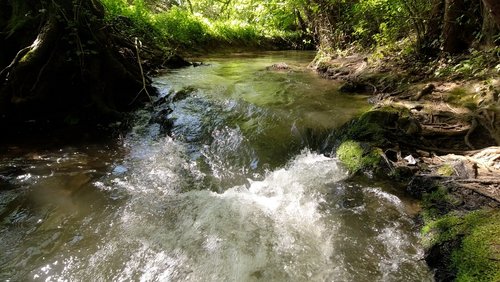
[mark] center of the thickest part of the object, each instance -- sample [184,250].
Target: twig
[137,43]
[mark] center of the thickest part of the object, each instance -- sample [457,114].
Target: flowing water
[241,188]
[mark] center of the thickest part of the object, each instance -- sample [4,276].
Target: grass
[462,97]
[178,28]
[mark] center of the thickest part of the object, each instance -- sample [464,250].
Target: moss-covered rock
[373,126]
[355,157]
[468,244]
[381,127]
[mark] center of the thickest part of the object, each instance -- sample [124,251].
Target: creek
[242,188]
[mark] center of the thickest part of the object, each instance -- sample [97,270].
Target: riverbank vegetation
[196,25]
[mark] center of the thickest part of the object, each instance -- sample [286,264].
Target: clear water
[236,192]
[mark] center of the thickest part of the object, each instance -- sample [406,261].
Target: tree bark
[452,42]
[494,8]
[431,42]
[489,28]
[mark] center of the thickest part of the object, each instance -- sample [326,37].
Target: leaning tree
[60,58]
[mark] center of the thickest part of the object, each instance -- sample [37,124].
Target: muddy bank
[440,137]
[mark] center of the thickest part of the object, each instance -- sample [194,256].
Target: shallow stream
[241,188]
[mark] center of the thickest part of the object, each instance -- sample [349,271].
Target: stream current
[238,190]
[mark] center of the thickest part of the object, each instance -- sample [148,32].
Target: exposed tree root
[469,132]
[73,67]
[488,189]
[444,130]
[5,72]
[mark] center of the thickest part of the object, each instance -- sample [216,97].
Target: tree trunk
[494,8]
[452,42]
[73,66]
[431,41]
[488,29]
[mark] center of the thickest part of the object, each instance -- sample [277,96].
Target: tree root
[443,130]
[57,75]
[4,74]
[473,127]
[491,191]
[482,181]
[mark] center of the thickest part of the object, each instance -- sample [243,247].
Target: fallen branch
[427,90]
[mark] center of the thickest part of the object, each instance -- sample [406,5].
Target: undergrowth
[180,29]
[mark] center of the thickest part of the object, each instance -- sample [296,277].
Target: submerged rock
[278,66]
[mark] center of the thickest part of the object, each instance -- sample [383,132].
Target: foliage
[374,22]
[386,25]
[178,25]
[476,64]
[200,23]
[378,21]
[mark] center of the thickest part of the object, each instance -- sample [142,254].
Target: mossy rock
[478,259]
[355,86]
[373,125]
[467,243]
[438,202]
[355,157]
[278,67]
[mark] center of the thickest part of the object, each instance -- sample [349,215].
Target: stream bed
[238,185]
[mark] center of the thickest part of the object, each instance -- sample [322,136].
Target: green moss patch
[445,170]
[478,235]
[462,97]
[372,126]
[478,259]
[354,157]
